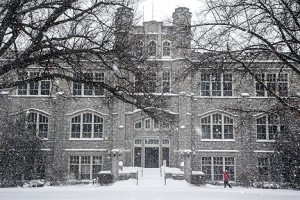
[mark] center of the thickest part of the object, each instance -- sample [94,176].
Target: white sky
[163,9]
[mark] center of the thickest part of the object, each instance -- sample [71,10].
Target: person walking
[226,178]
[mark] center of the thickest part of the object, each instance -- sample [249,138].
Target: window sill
[217,140]
[40,96]
[88,96]
[83,139]
[269,141]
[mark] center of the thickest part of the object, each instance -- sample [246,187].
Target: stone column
[115,155]
[57,170]
[187,155]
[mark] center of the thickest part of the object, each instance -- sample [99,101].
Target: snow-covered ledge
[245,94]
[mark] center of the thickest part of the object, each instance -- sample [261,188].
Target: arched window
[166,48]
[267,127]
[152,48]
[87,125]
[139,48]
[217,126]
[39,124]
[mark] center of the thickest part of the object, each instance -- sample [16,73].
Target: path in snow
[150,187]
[150,177]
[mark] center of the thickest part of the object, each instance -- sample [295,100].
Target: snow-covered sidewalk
[128,190]
[151,187]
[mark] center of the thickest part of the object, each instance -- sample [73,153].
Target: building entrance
[150,152]
[151,157]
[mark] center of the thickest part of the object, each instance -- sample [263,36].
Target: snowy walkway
[151,177]
[151,187]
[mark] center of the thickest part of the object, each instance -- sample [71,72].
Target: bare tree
[245,31]
[66,39]
[248,36]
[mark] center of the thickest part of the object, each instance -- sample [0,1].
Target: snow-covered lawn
[128,190]
[149,187]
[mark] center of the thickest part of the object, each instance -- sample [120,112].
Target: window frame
[81,89]
[277,81]
[267,127]
[216,85]
[81,124]
[208,123]
[152,49]
[166,82]
[37,124]
[33,88]
[211,164]
[166,48]
[77,167]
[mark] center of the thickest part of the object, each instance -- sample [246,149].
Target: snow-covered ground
[150,186]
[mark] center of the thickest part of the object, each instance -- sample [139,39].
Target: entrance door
[151,157]
[137,156]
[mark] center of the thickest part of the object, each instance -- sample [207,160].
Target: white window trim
[267,130]
[39,87]
[168,46]
[136,123]
[82,87]
[81,127]
[222,85]
[38,124]
[223,165]
[277,82]
[91,164]
[223,124]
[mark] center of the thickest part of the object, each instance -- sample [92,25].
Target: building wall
[185,104]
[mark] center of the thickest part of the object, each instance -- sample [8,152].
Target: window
[147,123]
[213,167]
[139,48]
[152,48]
[138,82]
[138,125]
[166,48]
[277,83]
[33,87]
[89,89]
[87,125]
[38,123]
[217,126]
[97,166]
[98,89]
[151,141]
[151,82]
[206,167]
[137,141]
[263,168]
[166,141]
[165,125]
[85,167]
[216,85]
[267,127]
[74,167]
[166,82]
[150,124]
[155,124]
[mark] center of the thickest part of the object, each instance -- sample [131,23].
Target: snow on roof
[217,150]
[86,149]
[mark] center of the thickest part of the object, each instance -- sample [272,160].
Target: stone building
[80,127]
